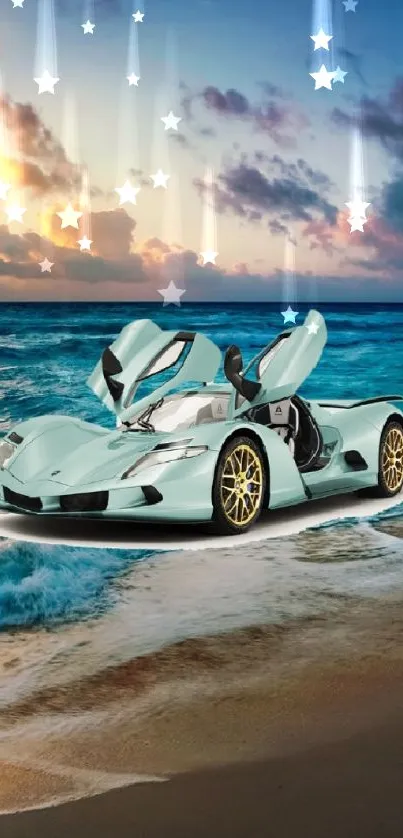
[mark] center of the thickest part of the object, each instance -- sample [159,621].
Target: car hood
[71,452]
[145,362]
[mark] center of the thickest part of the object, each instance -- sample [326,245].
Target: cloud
[379,248]
[355,62]
[80,276]
[230,103]
[273,116]
[13,247]
[32,157]
[287,191]
[112,258]
[111,231]
[87,269]
[322,235]
[391,203]
[381,120]
[35,140]
[382,240]
[272,89]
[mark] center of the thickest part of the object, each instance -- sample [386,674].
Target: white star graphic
[160,179]
[88,28]
[15,213]
[350,5]
[85,243]
[323,78]
[357,224]
[69,217]
[209,257]
[133,79]
[321,40]
[339,75]
[127,193]
[171,121]
[18,4]
[313,328]
[46,266]
[138,16]
[289,315]
[357,208]
[172,294]
[4,187]
[46,82]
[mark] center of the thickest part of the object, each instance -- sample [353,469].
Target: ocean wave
[47,584]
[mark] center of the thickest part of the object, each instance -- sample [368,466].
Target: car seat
[282,417]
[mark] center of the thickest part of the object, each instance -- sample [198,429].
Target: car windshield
[185,410]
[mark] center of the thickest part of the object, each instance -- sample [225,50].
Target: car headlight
[6,451]
[164,455]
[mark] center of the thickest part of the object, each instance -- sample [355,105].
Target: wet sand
[268,731]
[340,777]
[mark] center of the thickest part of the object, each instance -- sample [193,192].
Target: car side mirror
[233,365]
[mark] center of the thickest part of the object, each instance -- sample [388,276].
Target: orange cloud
[111,231]
[30,155]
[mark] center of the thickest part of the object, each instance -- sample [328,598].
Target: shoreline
[336,770]
[257,695]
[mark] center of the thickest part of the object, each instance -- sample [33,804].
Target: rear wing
[362,402]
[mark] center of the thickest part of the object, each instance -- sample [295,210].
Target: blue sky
[279,149]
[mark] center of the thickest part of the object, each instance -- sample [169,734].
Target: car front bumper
[177,491]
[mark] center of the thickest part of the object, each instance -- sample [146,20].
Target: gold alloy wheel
[241,485]
[392,459]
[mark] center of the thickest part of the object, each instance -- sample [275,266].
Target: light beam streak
[133,59]
[357,204]
[160,159]
[70,131]
[128,157]
[209,250]
[88,13]
[14,210]
[45,231]
[289,275]
[71,147]
[171,120]
[173,268]
[46,48]
[6,178]
[322,21]
[85,240]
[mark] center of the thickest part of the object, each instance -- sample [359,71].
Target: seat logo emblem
[278,409]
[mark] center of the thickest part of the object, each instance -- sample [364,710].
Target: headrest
[280,412]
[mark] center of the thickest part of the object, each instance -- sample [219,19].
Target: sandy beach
[348,788]
[283,730]
[248,692]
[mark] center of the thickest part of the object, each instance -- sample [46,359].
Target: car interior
[290,418]
[293,422]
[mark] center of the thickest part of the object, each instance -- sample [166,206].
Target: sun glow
[10,171]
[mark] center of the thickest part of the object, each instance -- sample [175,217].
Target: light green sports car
[197,451]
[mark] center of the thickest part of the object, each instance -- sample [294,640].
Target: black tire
[236,510]
[390,477]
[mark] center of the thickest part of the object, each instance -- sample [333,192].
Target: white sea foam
[170,597]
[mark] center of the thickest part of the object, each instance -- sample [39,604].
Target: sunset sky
[238,76]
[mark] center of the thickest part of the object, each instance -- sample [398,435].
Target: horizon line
[203,302]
